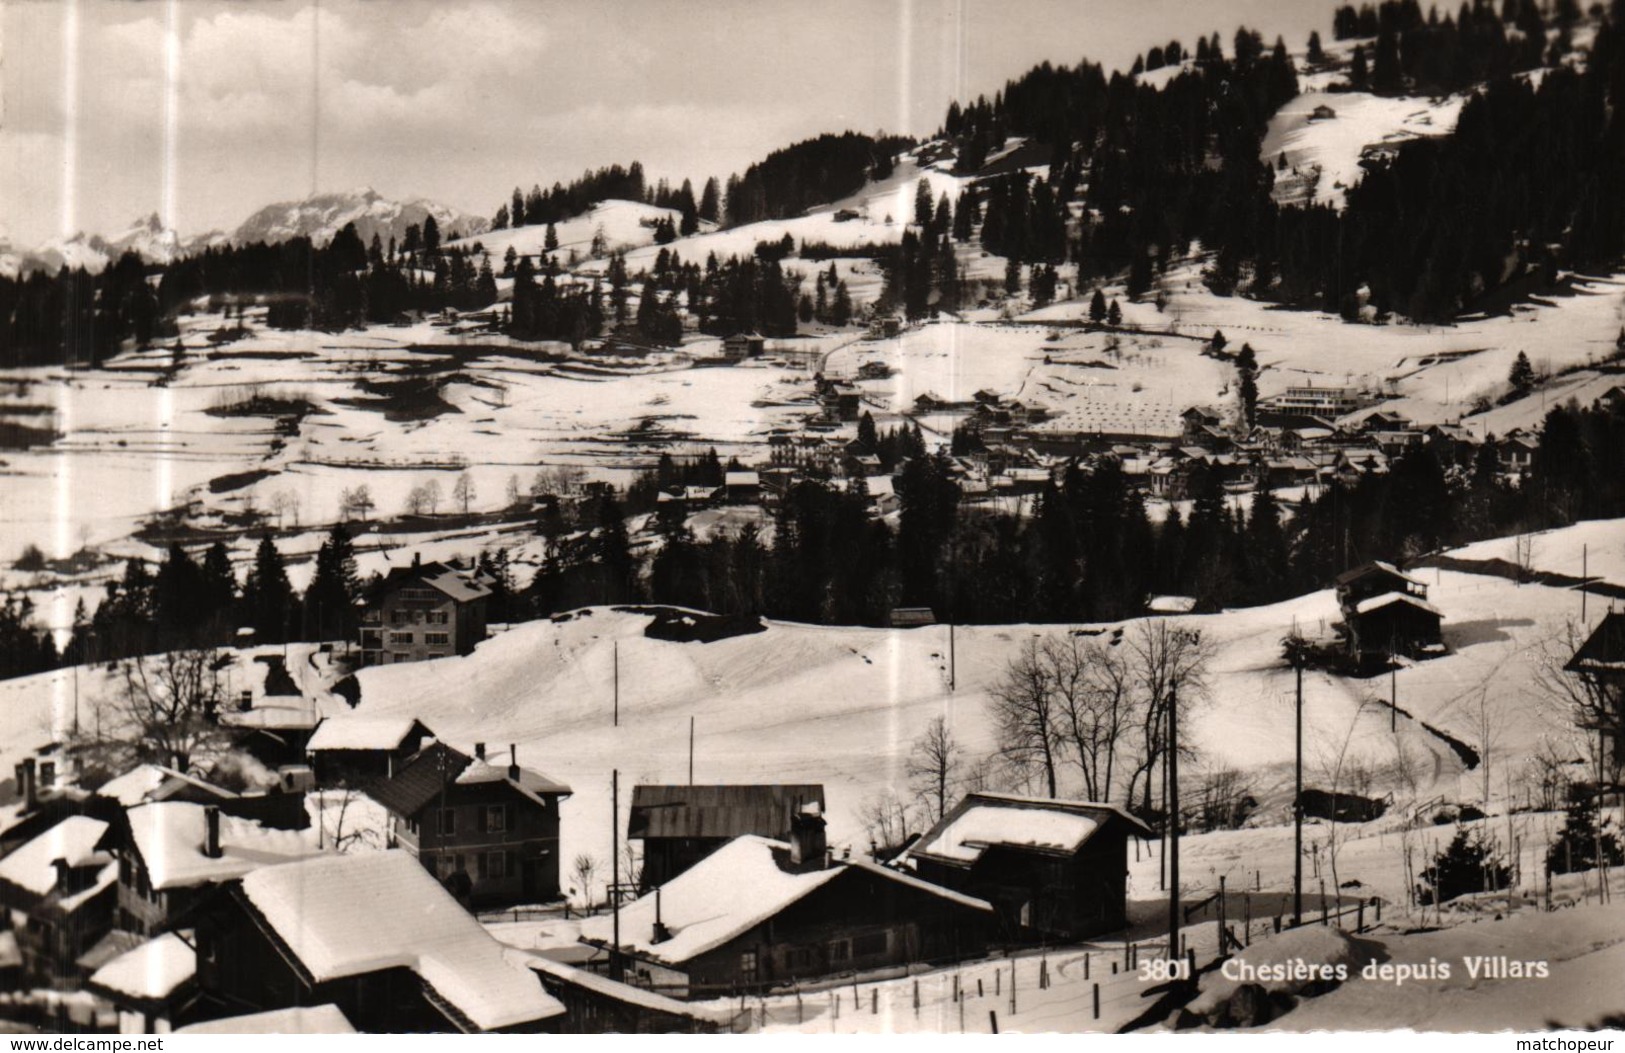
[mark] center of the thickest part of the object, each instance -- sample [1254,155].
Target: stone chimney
[479,751]
[807,847]
[211,836]
[513,762]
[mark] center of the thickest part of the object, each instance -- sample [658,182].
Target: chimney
[661,933]
[479,751]
[211,837]
[64,874]
[807,847]
[513,762]
[30,789]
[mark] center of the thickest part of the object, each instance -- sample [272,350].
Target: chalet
[153,985]
[60,890]
[371,933]
[1516,452]
[1383,420]
[1450,444]
[1295,439]
[1600,662]
[846,215]
[911,617]
[840,400]
[276,736]
[1054,869]
[681,825]
[1612,400]
[741,487]
[874,370]
[1198,424]
[1322,113]
[353,750]
[741,346]
[761,913]
[1386,612]
[488,831]
[172,853]
[427,610]
[1394,443]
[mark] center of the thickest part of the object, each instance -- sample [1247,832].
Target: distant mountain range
[318,217]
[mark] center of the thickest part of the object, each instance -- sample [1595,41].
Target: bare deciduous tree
[933,767]
[885,818]
[167,711]
[1094,693]
[584,868]
[1024,714]
[1167,662]
[462,491]
[1580,703]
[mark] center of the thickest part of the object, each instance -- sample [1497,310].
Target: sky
[202,111]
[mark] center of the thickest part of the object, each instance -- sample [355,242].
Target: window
[439,618]
[437,639]
[494,865]
[839,951]
[400,638]
[496,818]
[399,617]
[448,821]
[869,944]
[747,965]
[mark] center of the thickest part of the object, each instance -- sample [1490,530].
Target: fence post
[916,997]
[1086,965]
[993,1020]
[874,1001]
[1097,1001]
[978,987]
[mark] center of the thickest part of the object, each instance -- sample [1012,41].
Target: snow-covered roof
[1375,565]
[530,782]
[73,839]
[170,836]
[154,782]
[1172,604]
[740,479]
[348,915]
[296,1020]
[153,970]
[1376,602]
[626,993]
[272,718]
[736,888]
[361,733]
[985,820]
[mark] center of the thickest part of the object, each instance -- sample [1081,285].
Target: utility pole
[1393,695]
[1584,581]
[615,972]
[691,751]
[953,667]
[1297,802]
[617,677]
[1173,822]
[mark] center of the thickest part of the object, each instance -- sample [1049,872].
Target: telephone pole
[615,972]
[1297,801]
[1173,822]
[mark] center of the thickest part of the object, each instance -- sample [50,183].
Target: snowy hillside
[321,216]
[622,225]
[1325,136]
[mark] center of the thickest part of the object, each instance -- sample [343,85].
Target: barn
[1054,869]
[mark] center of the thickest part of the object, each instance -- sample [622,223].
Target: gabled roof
[1046,825]
[457,584]
[1388,599]
[363,733]
[152,971]
[272,718]
[1376,566]
[729,892]
[153,782]
[170,837]
[74,839]
[717,811]
[438,765]
[1604,650]
[349,915]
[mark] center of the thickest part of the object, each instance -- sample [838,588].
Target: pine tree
[1114,314]
[1316,54]
[268,598]
[1097,307]
[711,201]
[335,589]
[1522,375]
[550,241]
[516,214]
